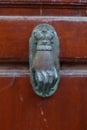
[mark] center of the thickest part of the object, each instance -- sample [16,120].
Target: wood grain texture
[45,11]
[15,32]
[21,109]
[40,1]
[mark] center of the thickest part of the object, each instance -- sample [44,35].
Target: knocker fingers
[46,79]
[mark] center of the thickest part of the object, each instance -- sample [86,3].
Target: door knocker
[44,60]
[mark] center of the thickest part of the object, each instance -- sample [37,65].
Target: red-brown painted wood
[15,32]
[45,10]
[21,109]
[40,1]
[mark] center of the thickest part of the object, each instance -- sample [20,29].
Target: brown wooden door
[20,107]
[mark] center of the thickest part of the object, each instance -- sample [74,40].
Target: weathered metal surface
[44,62]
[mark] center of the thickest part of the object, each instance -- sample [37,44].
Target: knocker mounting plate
[44,60]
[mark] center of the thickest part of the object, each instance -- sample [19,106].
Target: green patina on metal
[44,60]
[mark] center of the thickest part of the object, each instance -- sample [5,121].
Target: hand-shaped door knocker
[44,60]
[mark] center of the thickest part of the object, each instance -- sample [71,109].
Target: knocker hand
[45,80]
[44,60]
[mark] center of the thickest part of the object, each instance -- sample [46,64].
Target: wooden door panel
[45,11]
[15,32]
[40,1]
[21,108]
